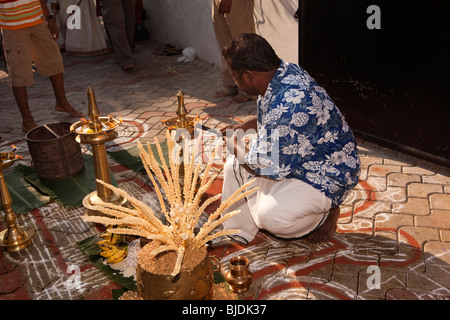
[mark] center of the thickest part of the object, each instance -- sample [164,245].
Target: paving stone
[437,178]
[445,235]
[422,190]
[437,219]
[434,279]
[392,221]
[380,170]
[414,206]
[440,201]
[420,235]
[418,170]
[11,282]
[374,284]
[391,194]
[402,179]
[437,253]
[408,294]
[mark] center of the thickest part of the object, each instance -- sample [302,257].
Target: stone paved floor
[393,235]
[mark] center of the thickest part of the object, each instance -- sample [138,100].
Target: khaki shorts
[32,44]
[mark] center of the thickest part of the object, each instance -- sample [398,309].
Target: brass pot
[239,277]
[192,284]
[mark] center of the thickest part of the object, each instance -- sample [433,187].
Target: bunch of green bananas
[110,248]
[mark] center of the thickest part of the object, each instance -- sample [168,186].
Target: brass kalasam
[192,284]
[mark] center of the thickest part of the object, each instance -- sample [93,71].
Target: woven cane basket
[55,153]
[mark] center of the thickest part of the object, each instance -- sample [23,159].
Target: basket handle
[51,131]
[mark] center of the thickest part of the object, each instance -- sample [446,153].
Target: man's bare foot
[225,93]
[326,231]
[69,109]
[28,125]
[239,98]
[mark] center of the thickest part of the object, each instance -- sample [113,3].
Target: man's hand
[51,22]
[53,28]
[250,124]
[225,6]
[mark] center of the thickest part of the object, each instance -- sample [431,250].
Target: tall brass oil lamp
[96,132]
[14,238]
[181,122]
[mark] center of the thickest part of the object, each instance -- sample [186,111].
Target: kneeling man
[304,157]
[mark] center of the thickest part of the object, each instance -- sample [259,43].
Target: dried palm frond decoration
[183,208]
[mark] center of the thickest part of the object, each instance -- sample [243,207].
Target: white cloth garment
[80,32]
[288,208]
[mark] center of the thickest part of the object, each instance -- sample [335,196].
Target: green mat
[24,197]
[71,191]
[29,192]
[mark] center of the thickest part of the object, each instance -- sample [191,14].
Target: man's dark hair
[249,51]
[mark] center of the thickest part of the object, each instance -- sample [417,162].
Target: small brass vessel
[239,277]
[14,238]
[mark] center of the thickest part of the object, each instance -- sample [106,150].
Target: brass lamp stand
[14,238]
[181,121]
[96,132]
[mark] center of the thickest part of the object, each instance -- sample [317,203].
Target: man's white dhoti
[288,208]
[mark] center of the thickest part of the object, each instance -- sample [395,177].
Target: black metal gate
[386,64]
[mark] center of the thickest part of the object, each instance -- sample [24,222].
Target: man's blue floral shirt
[303,135]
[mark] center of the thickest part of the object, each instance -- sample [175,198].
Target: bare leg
[326,231]
[62,104]
[20,94]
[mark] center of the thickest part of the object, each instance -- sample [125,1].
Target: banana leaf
[130,157]
[88,247]
[24,197]
[69,192]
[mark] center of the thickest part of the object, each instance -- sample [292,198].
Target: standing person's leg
[114,19]
[223,36]
[47,57]
[129,11]
[240,20]
[62,105]
[18,59]
[20,94]
[227,26]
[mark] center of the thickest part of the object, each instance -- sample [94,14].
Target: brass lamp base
[113,199]
[16,238]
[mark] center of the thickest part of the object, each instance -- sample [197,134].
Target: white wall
[187,23]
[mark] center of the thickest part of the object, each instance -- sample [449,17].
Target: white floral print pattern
[303,135]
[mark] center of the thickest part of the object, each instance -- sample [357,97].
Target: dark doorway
[392,84]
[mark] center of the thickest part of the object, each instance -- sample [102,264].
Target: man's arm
[236,146]
[250,124]
[51,22]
